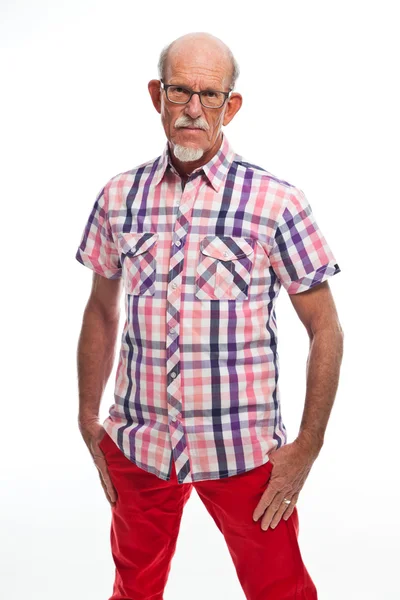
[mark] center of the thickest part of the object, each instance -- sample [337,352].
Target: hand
[291,466]
[93,433]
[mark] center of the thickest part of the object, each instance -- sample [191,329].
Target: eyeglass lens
[209,98]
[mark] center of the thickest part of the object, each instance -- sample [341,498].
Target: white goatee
[187,154]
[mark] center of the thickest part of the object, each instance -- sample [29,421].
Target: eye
[210,94]
[180,90]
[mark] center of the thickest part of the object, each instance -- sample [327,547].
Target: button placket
[176,266]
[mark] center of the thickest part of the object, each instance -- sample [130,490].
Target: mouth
[192,128]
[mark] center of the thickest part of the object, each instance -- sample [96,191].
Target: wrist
[310,442]
[85,421]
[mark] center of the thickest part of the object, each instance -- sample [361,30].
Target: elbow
[333,329]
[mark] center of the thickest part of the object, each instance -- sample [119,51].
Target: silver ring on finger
[286,501]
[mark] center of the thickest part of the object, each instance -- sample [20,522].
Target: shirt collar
[215,170]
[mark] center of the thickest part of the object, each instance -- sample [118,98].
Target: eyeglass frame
[168,85]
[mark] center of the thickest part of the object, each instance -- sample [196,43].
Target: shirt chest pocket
[224,268]
[138,260]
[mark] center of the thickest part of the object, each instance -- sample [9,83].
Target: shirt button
[225,253]
[172,330]
[174,285]
[173,375]
[174,419]
[177,243]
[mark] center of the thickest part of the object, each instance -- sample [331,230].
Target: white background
[320,109]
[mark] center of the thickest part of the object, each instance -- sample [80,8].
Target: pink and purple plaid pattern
[202,266]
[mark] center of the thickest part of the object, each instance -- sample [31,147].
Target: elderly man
[201,240]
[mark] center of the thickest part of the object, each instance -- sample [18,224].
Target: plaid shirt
[202,265]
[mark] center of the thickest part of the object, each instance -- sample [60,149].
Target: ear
[232,106]
[154,87]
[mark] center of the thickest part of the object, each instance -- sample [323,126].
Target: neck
[185,168]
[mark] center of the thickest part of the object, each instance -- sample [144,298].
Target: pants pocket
[103,443]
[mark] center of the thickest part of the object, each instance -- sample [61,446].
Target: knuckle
[269,507]
[264,502]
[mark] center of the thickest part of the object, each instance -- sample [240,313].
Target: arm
[96,351]
[96,346]
[292,462]
[316,309]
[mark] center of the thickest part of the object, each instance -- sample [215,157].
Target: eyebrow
[206,89]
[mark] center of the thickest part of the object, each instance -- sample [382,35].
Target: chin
[187,153]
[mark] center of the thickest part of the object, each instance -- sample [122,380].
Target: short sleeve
[300,255]
[97,249]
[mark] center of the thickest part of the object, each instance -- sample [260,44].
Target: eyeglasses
[182,95]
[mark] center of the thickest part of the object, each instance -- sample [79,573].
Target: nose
[194,108]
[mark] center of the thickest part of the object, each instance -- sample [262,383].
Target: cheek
[170,116]
[216,122]
[164,113]
[166,119]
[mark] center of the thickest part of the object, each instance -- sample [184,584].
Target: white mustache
[184,123]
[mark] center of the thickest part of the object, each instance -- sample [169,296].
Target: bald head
[203,51]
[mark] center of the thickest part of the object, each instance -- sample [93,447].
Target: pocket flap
[225,247]
[136,243]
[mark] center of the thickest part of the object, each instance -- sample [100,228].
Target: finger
[104,488]
[109,488]
[279,514]
[265,501]
[109,491]
[291,506]
[112,493]
[106,491]
[273,509]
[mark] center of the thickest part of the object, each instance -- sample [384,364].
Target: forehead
[200,67]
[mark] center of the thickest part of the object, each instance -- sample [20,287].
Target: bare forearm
[95,358]
[323,369]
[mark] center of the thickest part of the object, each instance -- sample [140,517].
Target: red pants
[146,519]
